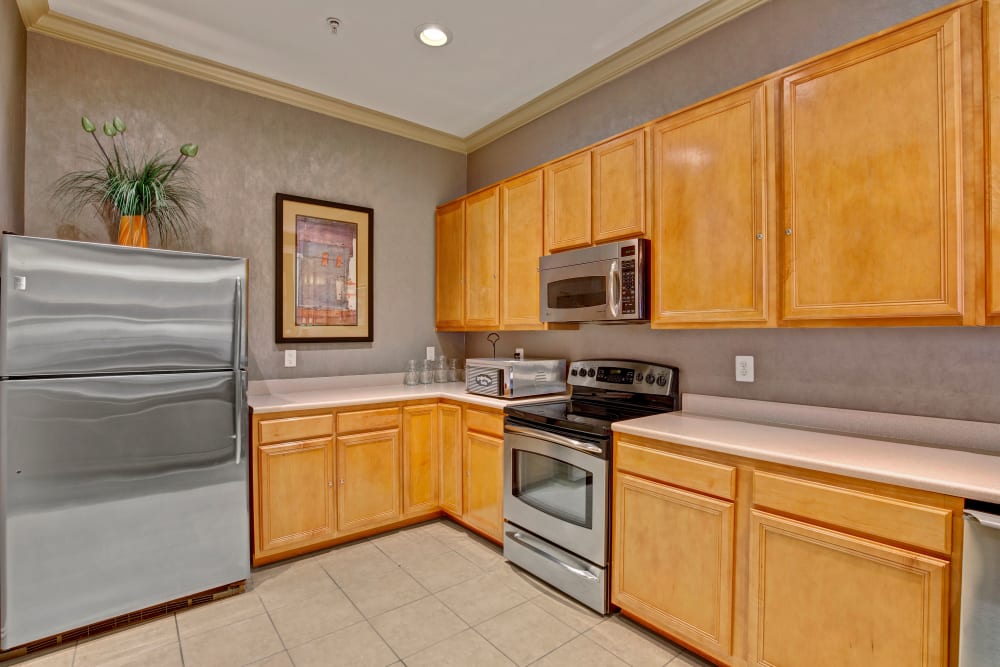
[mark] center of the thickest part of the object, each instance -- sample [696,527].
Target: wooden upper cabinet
[368,479]
[567,203]
[295,498]
[482,259]
[713,175]
[819,597]
[619,187]
[993,102]
[880,152]
[451,436]
[672,562]
[484,484]
[420,459]
[521,219]
[449,293]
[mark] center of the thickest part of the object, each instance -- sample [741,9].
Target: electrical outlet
[430,353]
[519,353]
[289,358]
[744,369]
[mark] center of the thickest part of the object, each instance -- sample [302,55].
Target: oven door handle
[554,438]
[529,543]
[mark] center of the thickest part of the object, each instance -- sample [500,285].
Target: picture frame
[323,271]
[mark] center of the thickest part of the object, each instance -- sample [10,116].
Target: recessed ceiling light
[433,34]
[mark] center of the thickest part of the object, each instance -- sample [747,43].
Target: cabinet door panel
[420,459]
[482,259]
[567,203]
[712,190]
[449,260]
[873,177]
[484,483]
[522,220]
[368,485]
[295,500]
[672,563]
[450,430]
[826,599]
[619,188]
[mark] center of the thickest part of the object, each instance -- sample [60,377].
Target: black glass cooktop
[583,416]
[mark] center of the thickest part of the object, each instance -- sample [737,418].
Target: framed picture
[323,271]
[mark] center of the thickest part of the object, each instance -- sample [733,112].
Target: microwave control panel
[628,286]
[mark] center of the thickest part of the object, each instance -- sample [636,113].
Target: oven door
[557,492]
[581,292]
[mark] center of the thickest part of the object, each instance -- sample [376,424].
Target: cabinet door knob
[330,483]
[760,237]
[788,232]
[341,482]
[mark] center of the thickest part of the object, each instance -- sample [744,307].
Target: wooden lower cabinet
[824,598]
[450,434]
[368,480]
[672,561]
[483,490]
[296,496]
[420,459]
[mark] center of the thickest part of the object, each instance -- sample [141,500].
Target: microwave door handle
[615,290]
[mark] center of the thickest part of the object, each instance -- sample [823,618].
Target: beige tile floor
[433,594]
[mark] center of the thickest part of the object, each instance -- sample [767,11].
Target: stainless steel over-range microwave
[603,283]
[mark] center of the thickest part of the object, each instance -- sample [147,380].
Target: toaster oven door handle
[614,290]
[553,438]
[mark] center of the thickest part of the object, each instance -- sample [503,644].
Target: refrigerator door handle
[239,399]
[238,328]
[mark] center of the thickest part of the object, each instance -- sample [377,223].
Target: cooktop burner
[604,392]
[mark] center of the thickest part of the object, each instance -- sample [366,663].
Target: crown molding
[668,38]
[39,18]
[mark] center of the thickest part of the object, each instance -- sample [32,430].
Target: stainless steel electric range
[557,472]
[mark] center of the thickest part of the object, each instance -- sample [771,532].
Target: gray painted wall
[944,372]
[776,34]
[251,148]
[12,83]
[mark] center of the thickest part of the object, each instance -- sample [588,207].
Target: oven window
[583,292]
[554,487]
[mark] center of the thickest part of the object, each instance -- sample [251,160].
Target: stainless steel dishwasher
[980,632]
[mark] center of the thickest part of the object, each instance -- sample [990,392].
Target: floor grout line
[180,646]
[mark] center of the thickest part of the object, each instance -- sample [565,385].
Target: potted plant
[137,189]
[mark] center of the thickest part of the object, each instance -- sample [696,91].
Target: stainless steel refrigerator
[123,448]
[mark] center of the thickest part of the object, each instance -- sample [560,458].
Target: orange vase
[132,231]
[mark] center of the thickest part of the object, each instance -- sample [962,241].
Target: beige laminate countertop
[954,472]
[297,398]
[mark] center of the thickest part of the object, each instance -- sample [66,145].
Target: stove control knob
[638,378]
[650,379]
[573,372]
[662,381]
[591,373]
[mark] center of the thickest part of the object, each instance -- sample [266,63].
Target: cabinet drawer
[367,420]
[714,479]
[896,520]
[295,428]
[484,422]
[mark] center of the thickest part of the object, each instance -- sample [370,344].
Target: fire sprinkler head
[334,24]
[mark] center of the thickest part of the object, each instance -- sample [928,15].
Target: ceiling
[508,61]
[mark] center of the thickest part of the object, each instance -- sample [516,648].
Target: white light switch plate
[431,353]
[289,358]
[744,369]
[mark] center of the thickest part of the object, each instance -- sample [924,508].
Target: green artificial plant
[160,188]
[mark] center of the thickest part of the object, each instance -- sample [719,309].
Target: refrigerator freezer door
[117,493]
[71,308]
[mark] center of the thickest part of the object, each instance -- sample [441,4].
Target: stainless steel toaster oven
[515,378]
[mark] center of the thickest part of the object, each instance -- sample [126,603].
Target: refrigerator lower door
[71,308]
[118,493]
